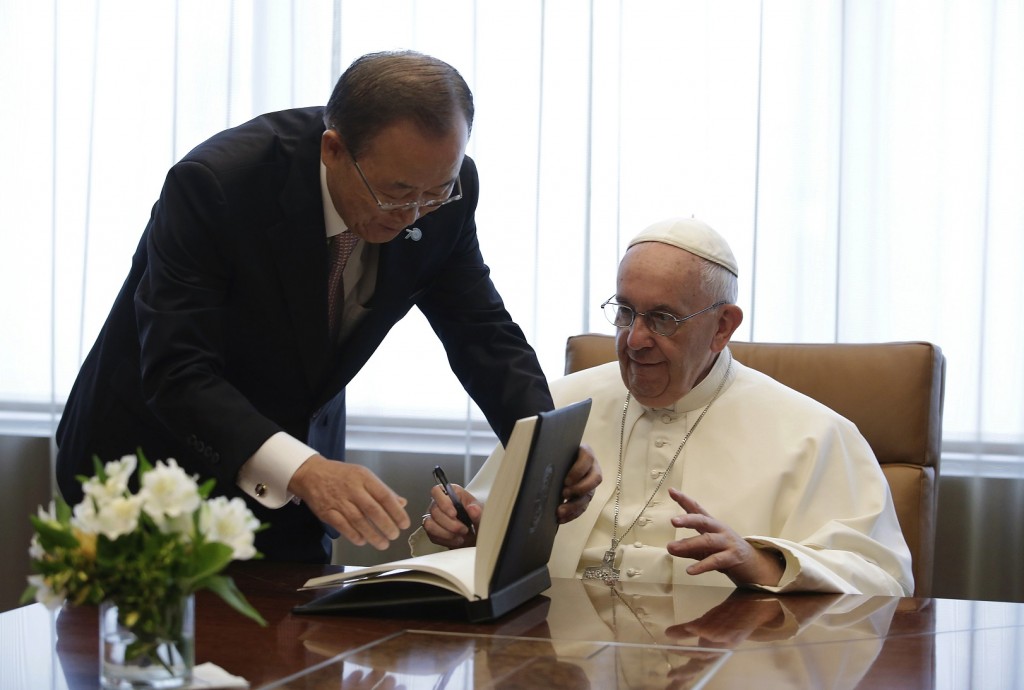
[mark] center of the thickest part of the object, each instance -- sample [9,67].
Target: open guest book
[508,565]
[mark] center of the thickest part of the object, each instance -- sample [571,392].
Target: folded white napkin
[213,676]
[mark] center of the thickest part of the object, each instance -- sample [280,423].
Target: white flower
[35,549]
[116,484]
[230,523]
[120,471]
[170,496]
[84,516]
[117,516]
[49,515]
[120,516]
[44,595]
[182,525]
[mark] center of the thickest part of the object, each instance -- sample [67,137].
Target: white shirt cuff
[266,474]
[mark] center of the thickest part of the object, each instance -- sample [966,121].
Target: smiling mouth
[638,362]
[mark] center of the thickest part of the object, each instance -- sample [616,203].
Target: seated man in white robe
[715,473]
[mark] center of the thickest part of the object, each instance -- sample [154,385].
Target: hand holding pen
[443,528]
[449,491]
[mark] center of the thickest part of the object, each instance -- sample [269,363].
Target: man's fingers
[581,467]
[583,477]
[359,521]
[374,511]
[444,513]
[686,503]
[570,510]
[441,536]
[443,504]
[353,500]
[338,521]
[443,527]
[580,484]
[386,509]
[698,522]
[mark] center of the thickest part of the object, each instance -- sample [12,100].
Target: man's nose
[640,332]
[409,215]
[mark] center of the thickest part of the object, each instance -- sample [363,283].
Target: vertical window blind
[865,160]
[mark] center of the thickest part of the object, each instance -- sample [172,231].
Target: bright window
[865,160]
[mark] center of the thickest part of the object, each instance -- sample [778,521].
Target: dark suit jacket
[218,338]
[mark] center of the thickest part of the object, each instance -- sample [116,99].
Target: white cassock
[808,641]
[779,468]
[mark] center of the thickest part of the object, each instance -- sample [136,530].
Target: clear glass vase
[147,647]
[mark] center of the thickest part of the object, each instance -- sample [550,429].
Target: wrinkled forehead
[661,273]
[655,256]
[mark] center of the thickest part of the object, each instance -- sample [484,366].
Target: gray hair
[718,282]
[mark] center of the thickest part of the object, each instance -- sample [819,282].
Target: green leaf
[144,464]
[208,559]
[225,588]
[98,470]
[62,509]
[50,536]
[206,487]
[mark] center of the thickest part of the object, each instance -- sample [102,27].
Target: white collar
[332,219]
[701,394]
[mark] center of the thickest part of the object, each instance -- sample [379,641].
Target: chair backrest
[893,392]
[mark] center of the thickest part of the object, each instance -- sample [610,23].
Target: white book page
[452,570]
[498,510]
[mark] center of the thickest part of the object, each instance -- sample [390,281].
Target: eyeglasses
[661,322]
[429,203]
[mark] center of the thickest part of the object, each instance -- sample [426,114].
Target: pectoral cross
[606,571]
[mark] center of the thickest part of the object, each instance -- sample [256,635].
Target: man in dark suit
[221,350]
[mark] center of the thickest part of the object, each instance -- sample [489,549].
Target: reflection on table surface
[638,636]
[578,635]
[457,660]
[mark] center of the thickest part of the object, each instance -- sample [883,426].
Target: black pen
[446,487]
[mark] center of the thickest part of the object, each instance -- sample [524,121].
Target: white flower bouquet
[141,550]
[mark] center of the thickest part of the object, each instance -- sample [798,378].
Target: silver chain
[668,470]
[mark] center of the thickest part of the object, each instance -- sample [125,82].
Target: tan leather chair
[893,392]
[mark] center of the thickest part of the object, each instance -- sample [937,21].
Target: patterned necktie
[339,249]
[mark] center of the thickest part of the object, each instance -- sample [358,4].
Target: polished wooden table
[578,635]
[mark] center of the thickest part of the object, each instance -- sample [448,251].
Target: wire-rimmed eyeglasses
[454,195]
[661,322]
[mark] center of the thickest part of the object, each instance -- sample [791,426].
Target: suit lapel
[300,253]
[404,268]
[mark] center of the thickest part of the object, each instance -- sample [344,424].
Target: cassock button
[666,418]
[261,489]
[659,443]
[638,545]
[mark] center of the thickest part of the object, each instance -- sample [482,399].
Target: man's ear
[729,319]
[333,151]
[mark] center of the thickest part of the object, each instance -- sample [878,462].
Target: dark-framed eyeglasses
[661,322]
[454,195]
